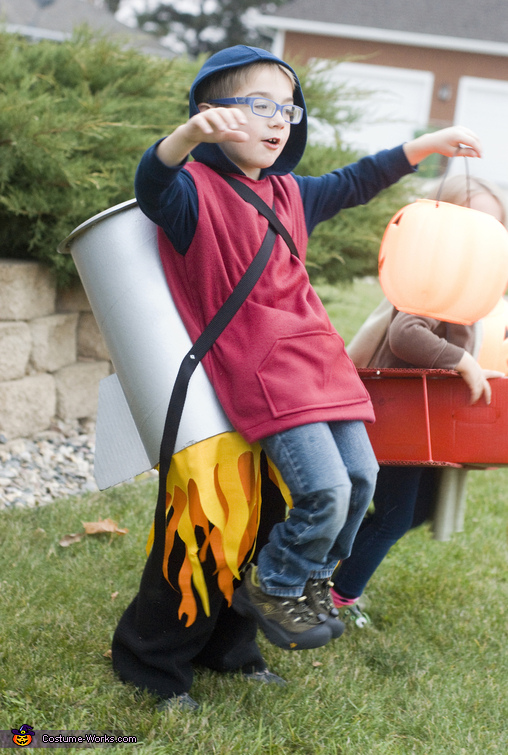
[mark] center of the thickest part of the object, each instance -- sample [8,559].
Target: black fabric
[152,648]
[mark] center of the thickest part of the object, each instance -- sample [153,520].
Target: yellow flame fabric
[215,485]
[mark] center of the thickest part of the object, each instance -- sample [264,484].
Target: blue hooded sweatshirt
[279,363]
[212,154]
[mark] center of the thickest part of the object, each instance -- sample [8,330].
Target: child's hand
[215,125]
[212,125]
[476,377]
[452,141]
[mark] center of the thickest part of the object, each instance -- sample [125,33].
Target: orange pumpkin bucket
[444,261]
[493,354]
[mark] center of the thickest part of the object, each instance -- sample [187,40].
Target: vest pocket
[310,371]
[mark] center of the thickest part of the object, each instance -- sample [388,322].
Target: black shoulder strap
[187,367]
[200,348]
[248,195]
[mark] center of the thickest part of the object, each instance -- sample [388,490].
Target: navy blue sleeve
[355,184]
[168,196]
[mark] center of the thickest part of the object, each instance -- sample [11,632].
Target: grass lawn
[429,677]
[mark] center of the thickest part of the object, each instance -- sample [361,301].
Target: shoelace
[301,608]
[323,596]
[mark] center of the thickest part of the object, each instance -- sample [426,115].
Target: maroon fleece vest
[279,363]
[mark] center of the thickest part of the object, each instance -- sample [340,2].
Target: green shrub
[347,246]
[75,118]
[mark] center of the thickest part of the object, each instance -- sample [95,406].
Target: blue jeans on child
[330,469]
[402,500]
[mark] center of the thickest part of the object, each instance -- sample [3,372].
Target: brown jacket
[415,341]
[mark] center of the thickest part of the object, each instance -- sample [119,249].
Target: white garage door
[397,106]
[482,104]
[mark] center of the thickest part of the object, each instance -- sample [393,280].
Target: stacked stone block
[52,356]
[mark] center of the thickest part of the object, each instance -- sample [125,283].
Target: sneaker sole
[337,627]
[315,637]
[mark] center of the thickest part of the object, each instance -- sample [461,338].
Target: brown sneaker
[318,591]
[264,677]
[289,623]
[183,702]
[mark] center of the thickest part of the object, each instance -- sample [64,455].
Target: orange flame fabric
[214,485]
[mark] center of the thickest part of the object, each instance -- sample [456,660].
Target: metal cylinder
[117,258]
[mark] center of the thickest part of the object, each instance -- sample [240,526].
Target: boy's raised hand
[217,124]
[211,125]
[452,141]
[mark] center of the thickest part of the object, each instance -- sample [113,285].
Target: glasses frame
[250,102]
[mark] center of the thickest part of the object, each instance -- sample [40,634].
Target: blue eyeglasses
[265,108]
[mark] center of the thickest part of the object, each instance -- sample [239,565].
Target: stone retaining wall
[52,355]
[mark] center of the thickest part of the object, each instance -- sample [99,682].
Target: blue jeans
[331,470]
[402,500]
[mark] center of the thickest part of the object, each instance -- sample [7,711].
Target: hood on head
[212,154]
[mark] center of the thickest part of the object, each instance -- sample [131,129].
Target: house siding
[447,66]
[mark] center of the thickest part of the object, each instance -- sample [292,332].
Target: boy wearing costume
[279,368]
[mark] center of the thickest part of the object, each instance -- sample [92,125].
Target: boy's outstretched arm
[212,125]
[452,141]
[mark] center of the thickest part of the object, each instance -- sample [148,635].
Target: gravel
[53,464]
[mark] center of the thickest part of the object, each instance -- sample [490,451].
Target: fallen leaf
[114,595]
[93,528]
[316,663]
[71,539]
[108,654]
[103,525]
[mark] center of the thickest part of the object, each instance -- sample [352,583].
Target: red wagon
[424,418]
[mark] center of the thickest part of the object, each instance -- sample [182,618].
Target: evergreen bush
[75,118]
[346,246]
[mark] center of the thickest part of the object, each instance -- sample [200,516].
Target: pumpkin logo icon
[22,736]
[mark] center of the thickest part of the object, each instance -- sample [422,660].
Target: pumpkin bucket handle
[394,221]
[468,184]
